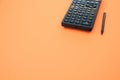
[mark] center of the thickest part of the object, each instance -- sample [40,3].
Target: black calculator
[81,14]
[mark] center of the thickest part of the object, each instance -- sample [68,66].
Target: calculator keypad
[82,13]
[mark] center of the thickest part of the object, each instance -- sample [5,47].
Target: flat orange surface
[34,45]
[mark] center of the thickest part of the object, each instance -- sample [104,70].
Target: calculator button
[68,15]
[79,17]
[84,23]
[72,21]
[90,21]
[73,16]
[66,20]
[76,21]
[90,18]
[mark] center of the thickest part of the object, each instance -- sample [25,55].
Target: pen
[103,22]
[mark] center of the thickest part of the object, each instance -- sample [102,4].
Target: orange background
[34,45]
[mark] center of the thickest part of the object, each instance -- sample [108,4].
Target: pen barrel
[103,23]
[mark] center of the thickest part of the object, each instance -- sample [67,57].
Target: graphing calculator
[81,14]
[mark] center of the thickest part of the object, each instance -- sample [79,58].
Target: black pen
[103,23]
